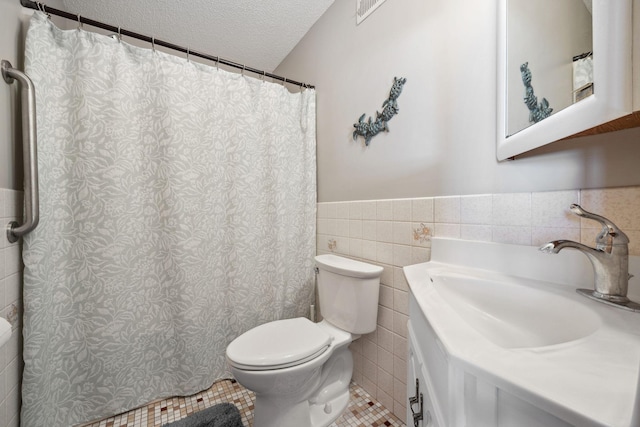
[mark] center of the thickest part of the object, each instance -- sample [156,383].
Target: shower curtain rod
[153,41]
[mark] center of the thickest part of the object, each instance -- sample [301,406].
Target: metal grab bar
[29,152]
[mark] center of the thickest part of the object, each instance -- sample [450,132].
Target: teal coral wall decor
[370,128]
[536,112]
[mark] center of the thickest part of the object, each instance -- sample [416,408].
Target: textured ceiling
[258,33]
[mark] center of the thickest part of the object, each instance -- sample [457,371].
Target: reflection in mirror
[612,90]
[549,58]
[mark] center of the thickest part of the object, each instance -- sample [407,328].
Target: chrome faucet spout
[556,246]
[610,260]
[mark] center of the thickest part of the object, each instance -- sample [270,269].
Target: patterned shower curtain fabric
[177,211]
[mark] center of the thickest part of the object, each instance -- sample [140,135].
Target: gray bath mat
[222,415]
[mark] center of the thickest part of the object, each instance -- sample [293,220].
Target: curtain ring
[284,81]
[243,67]
[79,23]
[264,76]
[218,63]
[188,55]
[153,44]
[119,35]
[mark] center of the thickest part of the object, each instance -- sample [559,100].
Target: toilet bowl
[300,370]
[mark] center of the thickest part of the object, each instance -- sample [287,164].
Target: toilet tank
[348,292]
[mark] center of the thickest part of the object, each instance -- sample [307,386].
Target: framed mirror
[564,66]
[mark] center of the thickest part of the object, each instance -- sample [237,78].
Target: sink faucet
[610,260]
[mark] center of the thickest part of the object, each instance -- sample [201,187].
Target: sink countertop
[592,380]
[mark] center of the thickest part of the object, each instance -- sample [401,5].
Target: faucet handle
[610,231]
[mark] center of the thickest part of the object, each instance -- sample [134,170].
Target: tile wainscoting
[391,233]
[10,309]
[395,233]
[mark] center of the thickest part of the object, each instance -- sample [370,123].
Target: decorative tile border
[516,218]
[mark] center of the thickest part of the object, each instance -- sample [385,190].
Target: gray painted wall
[443,140]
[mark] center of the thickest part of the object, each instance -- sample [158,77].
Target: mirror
[540,97]
[543,39]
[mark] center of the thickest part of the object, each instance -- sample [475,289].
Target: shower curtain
[177,211]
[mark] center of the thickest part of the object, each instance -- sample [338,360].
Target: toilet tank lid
[347,267]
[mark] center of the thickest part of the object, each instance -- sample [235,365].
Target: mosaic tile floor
[362,410]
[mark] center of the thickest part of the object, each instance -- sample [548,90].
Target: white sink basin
[513,315]
[509,316]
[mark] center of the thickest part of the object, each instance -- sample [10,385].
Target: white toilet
[300,370]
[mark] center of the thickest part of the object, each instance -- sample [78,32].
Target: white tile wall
[391,233]
[10,309]
[620,205]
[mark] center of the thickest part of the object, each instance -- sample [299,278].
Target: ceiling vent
[365,8]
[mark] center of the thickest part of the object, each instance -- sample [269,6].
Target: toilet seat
[277,345]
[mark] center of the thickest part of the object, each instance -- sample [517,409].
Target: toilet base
[312,394]
[324,415]
[269,414]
